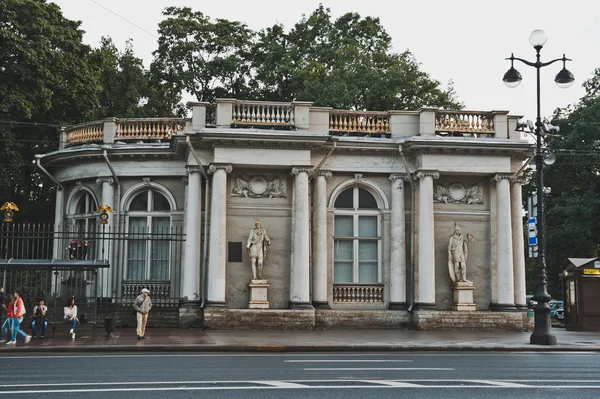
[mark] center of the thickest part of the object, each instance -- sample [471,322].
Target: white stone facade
[359,206]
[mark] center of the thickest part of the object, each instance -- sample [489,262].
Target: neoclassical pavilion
[359,207]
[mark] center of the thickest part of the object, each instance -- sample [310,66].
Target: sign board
[532,231]
[591,271]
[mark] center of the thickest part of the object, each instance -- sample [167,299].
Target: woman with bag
[19,312]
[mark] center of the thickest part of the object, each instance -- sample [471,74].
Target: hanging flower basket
[78,249]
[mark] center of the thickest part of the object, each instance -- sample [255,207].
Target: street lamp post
[541,333]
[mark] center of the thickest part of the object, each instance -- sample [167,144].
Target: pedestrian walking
[142,306]
[70,316]
[8,309]
[39,319]
[17,319]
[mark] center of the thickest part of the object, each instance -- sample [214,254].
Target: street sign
[531,224]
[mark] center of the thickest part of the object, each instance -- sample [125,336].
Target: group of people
[15,311]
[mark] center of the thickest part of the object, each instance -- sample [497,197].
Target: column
[59,210]
[299,274]
[190,275]
[319,276]
[397,251]
[218,236]
[504,272]
[426,250]
[516,204]
[106,248]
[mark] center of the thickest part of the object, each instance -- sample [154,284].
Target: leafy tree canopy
[573,230]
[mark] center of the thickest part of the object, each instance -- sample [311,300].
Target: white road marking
[348,361]
[504,384]
[281,384]
[396,384]
[379,369]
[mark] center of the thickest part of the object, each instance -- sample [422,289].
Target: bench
[60,324]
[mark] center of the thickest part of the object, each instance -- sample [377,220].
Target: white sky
[463,40]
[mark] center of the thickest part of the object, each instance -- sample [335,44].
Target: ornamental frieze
[258,186]
[458,193]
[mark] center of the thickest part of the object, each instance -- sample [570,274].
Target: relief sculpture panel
[458,193]
[258,186]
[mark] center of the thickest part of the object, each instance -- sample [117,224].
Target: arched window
[149,244]
[83,215]
[356,237]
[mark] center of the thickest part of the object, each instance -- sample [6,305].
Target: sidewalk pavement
[195,340]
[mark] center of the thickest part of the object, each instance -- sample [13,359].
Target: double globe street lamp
[541,333]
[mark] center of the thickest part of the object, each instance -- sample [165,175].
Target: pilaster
[218,235]
[190,274]
[516,204]
[426,249]
[300,271]
[319,275]
[397,247]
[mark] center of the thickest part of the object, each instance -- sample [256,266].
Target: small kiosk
[581,293]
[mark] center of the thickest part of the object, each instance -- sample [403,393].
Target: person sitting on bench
[71,316]
[39,319]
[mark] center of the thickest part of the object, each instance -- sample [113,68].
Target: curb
[296,348]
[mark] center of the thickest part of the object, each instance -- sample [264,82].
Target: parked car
[554,306]
[559,315]
[530,303]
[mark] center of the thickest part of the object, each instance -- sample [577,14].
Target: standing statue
[257,248]
[457,255]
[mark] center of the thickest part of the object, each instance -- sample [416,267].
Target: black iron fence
[141,257]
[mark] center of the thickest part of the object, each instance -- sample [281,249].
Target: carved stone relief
[258,186]
[458,193]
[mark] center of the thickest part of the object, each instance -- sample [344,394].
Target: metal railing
[365,293]
[139,258]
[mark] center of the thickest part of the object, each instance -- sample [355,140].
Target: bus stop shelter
[581,293]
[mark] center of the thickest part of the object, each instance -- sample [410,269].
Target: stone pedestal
[258,294]
[463,296]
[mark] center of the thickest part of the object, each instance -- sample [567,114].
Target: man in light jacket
[142,306]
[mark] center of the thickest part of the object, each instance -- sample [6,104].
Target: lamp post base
[548,339]
[542,332]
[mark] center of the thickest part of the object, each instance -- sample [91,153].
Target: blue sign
[532,230]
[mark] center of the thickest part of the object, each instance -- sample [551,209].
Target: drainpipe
[204,261]
[118,212]
[334,139]
[58,211]
[411,281]
[524,166]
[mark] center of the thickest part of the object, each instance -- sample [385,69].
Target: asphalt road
[303,375]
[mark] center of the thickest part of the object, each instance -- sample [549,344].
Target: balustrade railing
[84,133]
[262,113]
[464,122]
[148,128]
[369,293]
[359,122]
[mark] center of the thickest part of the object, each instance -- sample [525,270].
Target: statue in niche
[457,255]
[257,248]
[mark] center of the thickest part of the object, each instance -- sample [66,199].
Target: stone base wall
[191,318]
[157,318]
[472,321]
[256,319]
[383,319]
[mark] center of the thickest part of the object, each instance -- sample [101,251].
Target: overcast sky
[463,40]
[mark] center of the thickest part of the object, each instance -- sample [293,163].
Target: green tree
[207,59]
[573,229]
[343,63]
[47,79]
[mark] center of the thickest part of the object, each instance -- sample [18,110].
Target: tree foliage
[47,79]
[343,63]
[574,202]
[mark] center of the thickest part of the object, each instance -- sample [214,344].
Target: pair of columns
[299,276]
[510,261]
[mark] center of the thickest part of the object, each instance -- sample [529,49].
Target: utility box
[581,294]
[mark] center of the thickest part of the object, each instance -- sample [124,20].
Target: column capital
[108,180]
[504,176]
[216,166]
[302,169]
[193,168]
[185,180]
[324,173]
[427,173]
[398,176]
[519,180]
